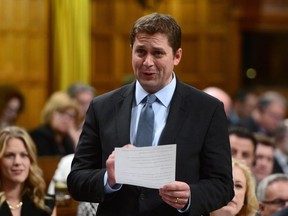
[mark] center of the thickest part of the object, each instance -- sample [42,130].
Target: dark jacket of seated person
[47,145]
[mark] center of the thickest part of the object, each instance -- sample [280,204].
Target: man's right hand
[110,166]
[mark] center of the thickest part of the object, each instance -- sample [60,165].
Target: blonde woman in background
[244,203]
[52,137]
[22,187]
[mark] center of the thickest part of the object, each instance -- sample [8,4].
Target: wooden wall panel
[206,27]
[101,65]
[211,42]
[24,56]
[189,67]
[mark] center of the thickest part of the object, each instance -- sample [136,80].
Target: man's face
[276,191]
[84,98]
[242,149]
[264,161]
[272,116]
[153,61]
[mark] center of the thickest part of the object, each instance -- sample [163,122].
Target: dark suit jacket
[44,139]
[196,123]
[283,212]
[29,208]
[277,167]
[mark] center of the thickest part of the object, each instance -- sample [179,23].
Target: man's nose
[148,60]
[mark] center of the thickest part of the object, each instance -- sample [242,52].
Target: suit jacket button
[142,196]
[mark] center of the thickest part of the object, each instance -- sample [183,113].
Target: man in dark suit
[193,120]
[272,194]
[283,212]
[281,151]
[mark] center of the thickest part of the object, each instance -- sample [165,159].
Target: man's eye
[140,51]
[158,54]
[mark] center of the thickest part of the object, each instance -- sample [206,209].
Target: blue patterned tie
[145,129]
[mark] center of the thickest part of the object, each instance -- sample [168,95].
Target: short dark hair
[243,132]
[269,97]
[78,87]
[158,23]
[265,140]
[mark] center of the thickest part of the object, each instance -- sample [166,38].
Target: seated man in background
[270,111]
[243,145]
[281,151]
[283,212]
[264,157]
[272,193]
[244,102]
[221,95]
[83,95]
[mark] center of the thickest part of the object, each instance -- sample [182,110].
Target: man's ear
[177,57]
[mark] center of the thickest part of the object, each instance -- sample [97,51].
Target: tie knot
[150,98]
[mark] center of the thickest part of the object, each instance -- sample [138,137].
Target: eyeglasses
[278,202]
[66,114]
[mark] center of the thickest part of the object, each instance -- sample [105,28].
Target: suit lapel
[123,109]
[175,117]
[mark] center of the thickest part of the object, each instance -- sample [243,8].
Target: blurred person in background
[60,176]
[221,95]
[11,104]
[83,95]
[281,151]
[264,157]
[244,201]
[243,145]
[283,212]
[244,102]
[22,187]
[270,111]
[272,194]
[59,115]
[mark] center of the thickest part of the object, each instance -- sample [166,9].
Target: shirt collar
[164,95]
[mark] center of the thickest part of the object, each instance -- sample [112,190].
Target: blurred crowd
[258,133]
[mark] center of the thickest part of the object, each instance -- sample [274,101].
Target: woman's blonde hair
[59,101]
[251,204]
[34,185]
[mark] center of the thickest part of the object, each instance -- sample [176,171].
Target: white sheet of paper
[150,167]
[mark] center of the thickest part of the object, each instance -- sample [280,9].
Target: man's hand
[110,166]
[175,194]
